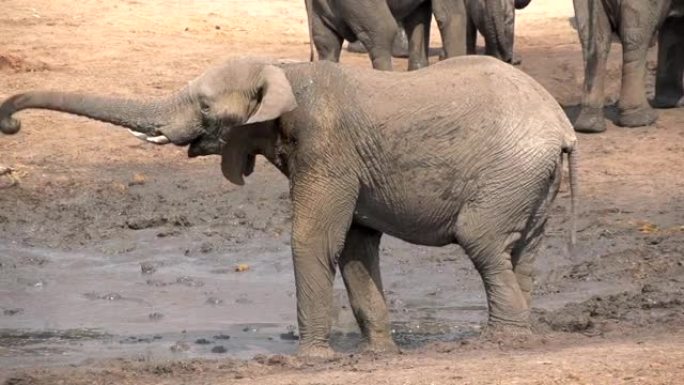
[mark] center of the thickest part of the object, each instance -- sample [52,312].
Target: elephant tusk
[161,139]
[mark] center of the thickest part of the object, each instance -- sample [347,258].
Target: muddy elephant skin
[365,158]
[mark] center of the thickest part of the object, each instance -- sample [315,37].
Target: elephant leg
[636,31]
[595,36]
[524,253]
[322,213]
[374,25]
[417,26]
[400,44]
[509,28]
[327,42]
[451,19]
[471,37]
[490,252]
[360,267]
[669,89]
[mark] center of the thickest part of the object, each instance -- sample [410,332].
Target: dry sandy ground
[95,206]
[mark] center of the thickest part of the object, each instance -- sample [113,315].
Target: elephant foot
[497,332]
[668,101]
[637,117]
[315,351]
[384,345]
[516,60]
[590,120]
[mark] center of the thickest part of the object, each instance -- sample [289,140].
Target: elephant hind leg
[328,43]
[360,267]
[669,90]
[490,252]
[524,253]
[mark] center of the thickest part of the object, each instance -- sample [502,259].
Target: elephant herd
[380,26]
[480,166]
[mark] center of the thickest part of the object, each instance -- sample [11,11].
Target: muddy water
[156,301]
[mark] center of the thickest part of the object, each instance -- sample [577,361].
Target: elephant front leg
[669,89]
[595,35]
[322,212]
[360,266]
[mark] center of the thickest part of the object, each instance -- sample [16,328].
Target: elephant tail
[572,173]
[309,15]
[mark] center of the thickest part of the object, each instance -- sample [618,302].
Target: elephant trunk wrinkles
[495,27]
[141,116]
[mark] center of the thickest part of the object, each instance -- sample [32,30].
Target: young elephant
[477,166]
[636,22]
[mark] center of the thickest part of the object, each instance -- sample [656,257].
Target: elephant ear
[277,96]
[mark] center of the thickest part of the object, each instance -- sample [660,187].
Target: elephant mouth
[204,145]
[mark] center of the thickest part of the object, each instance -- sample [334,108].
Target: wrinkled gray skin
[374,23]
[365,158]
[495,20]
[400,45]
[636,23]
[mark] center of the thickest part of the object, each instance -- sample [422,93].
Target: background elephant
[374,23]
[431,171]
[636,23]
[489,17]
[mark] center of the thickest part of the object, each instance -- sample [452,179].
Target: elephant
[374,23]
[487,17]
[476,166]
[636,23]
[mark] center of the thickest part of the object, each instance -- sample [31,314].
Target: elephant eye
[204,107]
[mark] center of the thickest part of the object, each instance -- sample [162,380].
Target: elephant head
[212,113]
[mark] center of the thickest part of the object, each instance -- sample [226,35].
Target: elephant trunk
[520,4]
[143,117]
[495,28]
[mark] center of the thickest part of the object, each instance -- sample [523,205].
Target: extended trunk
[145,117]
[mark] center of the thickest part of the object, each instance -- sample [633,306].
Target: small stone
[217,27]
[241,267]
[222,337]
[147,268]
[156,316]
[218,349]
[202,341]
[11,312]
[180,346]
[214,301]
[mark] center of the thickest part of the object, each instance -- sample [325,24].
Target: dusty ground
[117,257]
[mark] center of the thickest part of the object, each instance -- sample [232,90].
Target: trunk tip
[9,125]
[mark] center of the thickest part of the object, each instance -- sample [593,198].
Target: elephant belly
[420,224]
